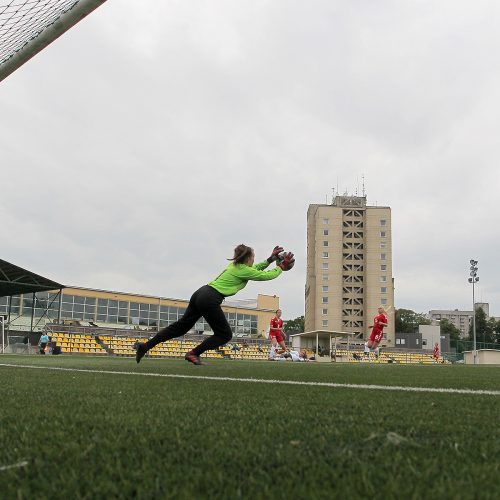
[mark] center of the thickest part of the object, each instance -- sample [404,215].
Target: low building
[125,310]
[424,339]
[408,340]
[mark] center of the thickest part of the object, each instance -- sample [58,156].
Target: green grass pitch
[79,434]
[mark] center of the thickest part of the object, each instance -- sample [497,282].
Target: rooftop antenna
[364,191]
[333,195]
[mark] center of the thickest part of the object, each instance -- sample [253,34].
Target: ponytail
[241,254]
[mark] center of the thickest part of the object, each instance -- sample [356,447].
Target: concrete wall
[430,335]
[484,357]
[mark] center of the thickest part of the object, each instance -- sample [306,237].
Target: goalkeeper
[207,300]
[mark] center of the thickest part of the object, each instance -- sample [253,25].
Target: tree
[496,331]
[447,327]
[486,329]
[296,325]
[407,321]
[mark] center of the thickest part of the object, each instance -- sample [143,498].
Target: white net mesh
[23,20]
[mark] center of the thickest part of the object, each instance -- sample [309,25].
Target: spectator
[44,340]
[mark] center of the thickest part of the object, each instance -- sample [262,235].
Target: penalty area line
[333,385]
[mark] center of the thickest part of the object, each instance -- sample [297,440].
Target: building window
[325,255]
[325,288]
[326,221]
[416,341]
[324,312]
[325,232]
[383,222]
[383,289]
[383,267]
[325,243]
[382,245]
[403,341]
[383,279]
[325,277]
[398,341]
[325,300]
[382,234]
[325,322]
[383,302]
[382,256]
[325,265]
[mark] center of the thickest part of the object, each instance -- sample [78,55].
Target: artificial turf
[98,435]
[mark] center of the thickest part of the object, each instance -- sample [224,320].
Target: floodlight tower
[474,278]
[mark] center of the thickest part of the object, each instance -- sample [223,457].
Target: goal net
[28,26]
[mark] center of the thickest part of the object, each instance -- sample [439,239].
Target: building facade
[349,267]
[123,310]
[460,319]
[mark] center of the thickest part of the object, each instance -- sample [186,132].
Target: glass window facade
[119,312]
[15,305]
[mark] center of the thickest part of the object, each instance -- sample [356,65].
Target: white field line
[13,466]
[373,387]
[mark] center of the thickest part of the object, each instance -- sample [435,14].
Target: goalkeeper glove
[274,255]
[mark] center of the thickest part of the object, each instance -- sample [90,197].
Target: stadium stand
[76,344]
[125,346]
[97,341]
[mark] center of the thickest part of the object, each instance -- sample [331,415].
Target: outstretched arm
[255,274]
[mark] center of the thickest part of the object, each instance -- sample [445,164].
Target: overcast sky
[138,149]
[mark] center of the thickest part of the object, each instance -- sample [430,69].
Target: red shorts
[277,336]
[376,335]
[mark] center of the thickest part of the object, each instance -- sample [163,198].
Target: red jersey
[436,351]
[276,326]
[377,322]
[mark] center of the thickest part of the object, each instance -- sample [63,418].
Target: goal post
[28,26]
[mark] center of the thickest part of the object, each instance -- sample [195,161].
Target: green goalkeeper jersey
[236,276]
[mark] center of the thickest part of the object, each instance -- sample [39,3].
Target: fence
[468,345]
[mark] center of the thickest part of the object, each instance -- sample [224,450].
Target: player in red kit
[435,354]
[379,322]
[276,336]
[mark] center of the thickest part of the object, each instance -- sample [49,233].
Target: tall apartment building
[349,266]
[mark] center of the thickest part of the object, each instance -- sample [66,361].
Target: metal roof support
[59,311]
[10,309]
[32,311]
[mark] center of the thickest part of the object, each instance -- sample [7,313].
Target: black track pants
[204,302]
